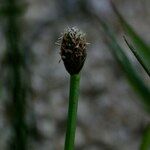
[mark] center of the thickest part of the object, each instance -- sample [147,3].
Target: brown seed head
[73,50]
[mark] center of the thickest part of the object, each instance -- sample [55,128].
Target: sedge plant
[73,54]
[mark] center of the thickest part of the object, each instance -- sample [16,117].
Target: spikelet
[73,50]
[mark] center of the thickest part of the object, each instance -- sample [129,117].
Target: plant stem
[145,145]
[72,111]
[17,86]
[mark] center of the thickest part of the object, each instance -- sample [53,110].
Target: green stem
[145,145]
[17,86]
[72,111]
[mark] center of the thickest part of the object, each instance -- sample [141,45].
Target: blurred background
[34,85]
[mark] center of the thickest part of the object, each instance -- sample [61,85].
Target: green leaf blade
[145,145]
[136,81]
[137,56]
[142,49]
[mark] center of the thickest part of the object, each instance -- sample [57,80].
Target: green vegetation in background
[145,145]
[142,53]
[141,50]
[11,14]
[133,76]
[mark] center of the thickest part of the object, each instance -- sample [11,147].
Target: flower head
[73,50]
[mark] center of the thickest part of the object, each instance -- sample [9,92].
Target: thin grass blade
[142,49]
[137,56]
[145,145]
[136,81]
